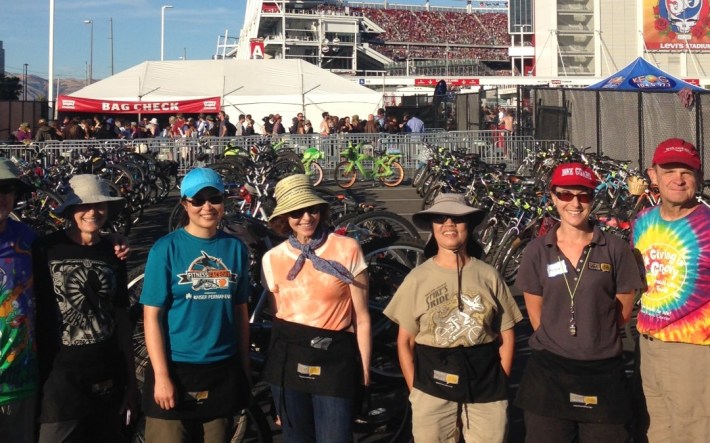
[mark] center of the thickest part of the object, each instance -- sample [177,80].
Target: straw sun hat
[88,189]
[295,192]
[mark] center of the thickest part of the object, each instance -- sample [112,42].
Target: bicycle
[385,166]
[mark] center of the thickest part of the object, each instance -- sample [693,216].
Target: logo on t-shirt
[666,270]
[207,272]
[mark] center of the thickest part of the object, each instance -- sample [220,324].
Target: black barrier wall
[624,125]
[12,113]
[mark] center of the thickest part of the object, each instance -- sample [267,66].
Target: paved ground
[403,201]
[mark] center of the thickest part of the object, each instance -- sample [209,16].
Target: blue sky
[191,29]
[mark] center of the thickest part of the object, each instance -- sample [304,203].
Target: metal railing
[492,146]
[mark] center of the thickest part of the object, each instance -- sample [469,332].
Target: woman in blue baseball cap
[196,327]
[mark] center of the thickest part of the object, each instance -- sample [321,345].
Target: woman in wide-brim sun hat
[84,338]
[318,292]
[194,295]
[455,341]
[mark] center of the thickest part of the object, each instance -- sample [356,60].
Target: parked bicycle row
[518,204]
[139,178]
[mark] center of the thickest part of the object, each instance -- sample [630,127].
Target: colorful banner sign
[451,82]
[67,103]
[676,25]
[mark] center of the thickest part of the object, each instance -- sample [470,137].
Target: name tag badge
[446,378]
[604,267]
[557,268]
[308,371]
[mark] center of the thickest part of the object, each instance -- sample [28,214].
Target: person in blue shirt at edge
[196,326]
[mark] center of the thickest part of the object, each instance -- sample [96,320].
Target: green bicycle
[309,159]
[385,167]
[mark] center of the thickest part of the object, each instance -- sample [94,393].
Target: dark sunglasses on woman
[200,201]
[298,213]
[569,196]
[441,219]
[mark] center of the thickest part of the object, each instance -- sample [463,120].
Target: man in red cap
[674,322]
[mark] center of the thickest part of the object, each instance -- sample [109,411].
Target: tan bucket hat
[295,192]
[448,204]
[454,205]
[87,189]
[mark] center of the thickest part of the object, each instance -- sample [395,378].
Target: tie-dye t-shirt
[313,298]
[18,358]
[676,255]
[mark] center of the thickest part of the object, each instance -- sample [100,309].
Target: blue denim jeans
[307,418]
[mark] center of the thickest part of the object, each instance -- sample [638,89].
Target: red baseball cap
[677,150]
[573,174]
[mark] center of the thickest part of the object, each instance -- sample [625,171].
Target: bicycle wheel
[385,277]
[507,261]
[284,168]
[394,179]
[345,174]
[419,175]
[429,197]
[176,216]
[315,173]
[383,224]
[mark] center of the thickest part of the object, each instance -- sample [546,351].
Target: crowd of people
[66,364]
[488,29]
[219,125]
[403,53]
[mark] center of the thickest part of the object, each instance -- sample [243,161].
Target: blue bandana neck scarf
[308,251]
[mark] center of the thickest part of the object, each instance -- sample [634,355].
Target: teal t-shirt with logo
[197,282]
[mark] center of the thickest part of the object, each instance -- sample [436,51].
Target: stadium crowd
[440,27]
[402,53]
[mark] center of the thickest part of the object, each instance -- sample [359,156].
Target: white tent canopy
[256,87]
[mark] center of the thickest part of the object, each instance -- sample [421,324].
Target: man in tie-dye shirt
[674,322]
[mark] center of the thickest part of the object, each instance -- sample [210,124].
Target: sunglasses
[569,196]
[441,219]
[200,201]
[311,210]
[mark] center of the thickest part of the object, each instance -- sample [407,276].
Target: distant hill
[37,86]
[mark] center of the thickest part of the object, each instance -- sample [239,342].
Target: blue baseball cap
[199,179]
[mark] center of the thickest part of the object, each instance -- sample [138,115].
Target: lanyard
[572,293]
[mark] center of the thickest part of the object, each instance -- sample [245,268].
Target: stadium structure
[499,43]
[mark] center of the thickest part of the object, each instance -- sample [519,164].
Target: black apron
[83,381]
[313,360]
[585,391]
[204,391]
[471,374]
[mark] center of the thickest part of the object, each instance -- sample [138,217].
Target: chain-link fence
[622,125]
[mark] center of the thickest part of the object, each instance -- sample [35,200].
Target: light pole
[91,51]
[24,88]
[162,29]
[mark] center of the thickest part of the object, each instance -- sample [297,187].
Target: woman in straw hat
[196,326]
[83,334]
[320,349]
[455,340]
[578,284]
